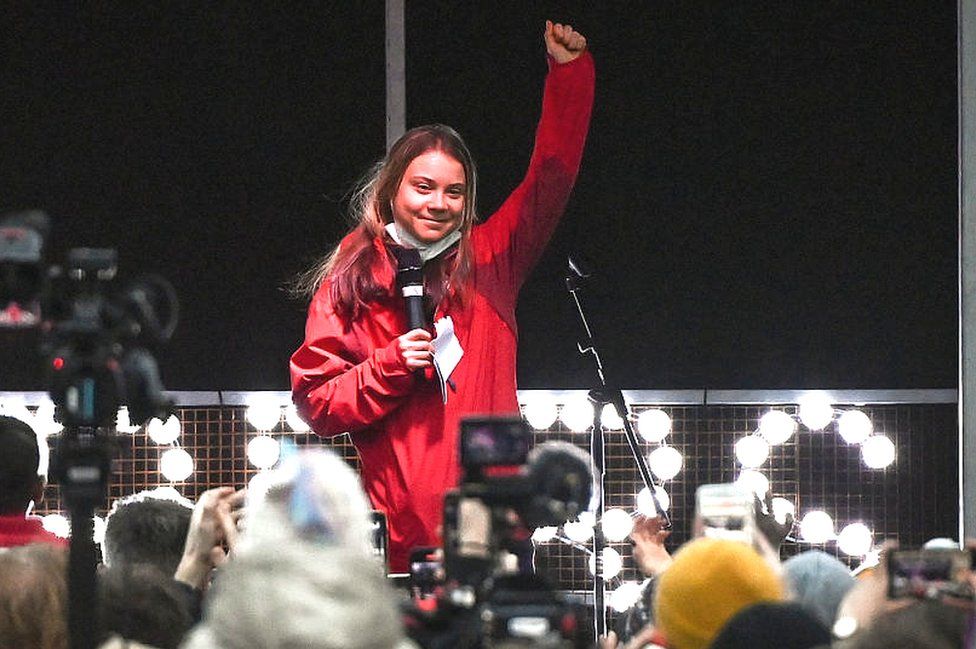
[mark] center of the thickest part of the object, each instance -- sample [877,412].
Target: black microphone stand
[600,396]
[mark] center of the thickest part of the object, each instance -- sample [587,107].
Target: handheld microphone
[410,279]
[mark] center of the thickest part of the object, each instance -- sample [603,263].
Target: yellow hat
[710,581]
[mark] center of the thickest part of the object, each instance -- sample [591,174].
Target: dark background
[768,194]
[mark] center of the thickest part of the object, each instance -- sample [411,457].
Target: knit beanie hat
[818,582]
[709,581]
[772,624]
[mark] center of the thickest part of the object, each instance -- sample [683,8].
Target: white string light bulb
[263,411]
[294,420]
[665,462]
[164,432]
[613,563]
[654,425]
[877,451]
[578,531]
[817,527]
[855,540]
[610,419]
[854,426]
[57,524]
[645,504]
[263,451]
[544,534]
[122,422]
[815,410]
[782,508]
[577,414]
[541,411]
[44,422]
[751,451]
[626,595]
[176,465]
[776,426]
[617,525]
[753,481]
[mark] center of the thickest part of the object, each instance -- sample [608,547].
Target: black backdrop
[768,193]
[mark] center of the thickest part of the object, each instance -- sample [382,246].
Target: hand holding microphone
[415,346]
[416,349]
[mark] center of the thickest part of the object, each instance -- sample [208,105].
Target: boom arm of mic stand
[615,396]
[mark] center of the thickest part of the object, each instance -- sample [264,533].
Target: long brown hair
[348,267]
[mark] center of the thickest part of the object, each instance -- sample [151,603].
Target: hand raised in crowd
[215,510]
[416,349]
[774,531]
[562,43]
[648,538]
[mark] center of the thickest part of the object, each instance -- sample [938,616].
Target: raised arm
[512,239]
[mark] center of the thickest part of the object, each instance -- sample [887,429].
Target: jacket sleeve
[513,238]
[333,387]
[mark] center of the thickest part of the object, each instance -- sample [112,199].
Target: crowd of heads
[298,569]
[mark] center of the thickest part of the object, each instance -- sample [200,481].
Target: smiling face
[429,202]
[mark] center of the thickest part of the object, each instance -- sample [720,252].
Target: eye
[455,192]
[422,186]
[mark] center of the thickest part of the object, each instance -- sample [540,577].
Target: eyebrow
[427,179]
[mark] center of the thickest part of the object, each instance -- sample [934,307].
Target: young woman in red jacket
[360,371]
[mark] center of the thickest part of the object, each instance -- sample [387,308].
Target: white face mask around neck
[428,251]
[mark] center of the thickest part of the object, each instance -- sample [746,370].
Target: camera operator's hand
[868,599]
[416,349]
[648,538]
[204,550]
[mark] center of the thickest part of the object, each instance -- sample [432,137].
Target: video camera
[491,596]
[95,335]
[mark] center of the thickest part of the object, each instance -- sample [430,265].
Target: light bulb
[294,420]
[815,410]
[58,525]
[544,534]
[617,525]
[754,482]
[776,426]
[751,451]
[577,414]
[854,426]
[540,411]
[626,595]
[16,408]
[654,425]
[122,422]
[610,419]
[44,422]
[817,527]
[176,465]
[782,508]
[578,531]
[645,505]
[613,563]
[169,492]
[98,529]
[263,451]
[164,433]
[855,540]
[263,411]
[665,462]
[878,451]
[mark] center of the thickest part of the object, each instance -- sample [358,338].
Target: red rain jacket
[353,380]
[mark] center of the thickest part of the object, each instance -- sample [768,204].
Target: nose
[437,201]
